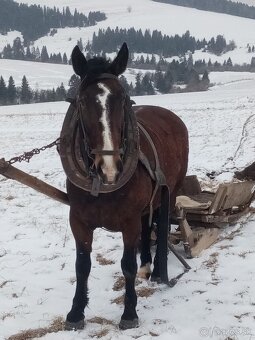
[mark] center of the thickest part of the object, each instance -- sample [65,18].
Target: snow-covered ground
[214,300]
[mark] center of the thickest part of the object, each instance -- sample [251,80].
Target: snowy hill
[146,14]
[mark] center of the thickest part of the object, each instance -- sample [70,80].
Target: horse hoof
[74,326]
[127,324]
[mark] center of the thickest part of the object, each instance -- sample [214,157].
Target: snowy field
[46,76]
[215,300]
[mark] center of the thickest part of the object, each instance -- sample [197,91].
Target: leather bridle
[93,152]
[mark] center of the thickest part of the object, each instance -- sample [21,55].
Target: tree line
[219,6]
[34,21]
[18,52]
[147,84]
[11,94]
[154,42]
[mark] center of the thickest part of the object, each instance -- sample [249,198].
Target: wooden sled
[201,214]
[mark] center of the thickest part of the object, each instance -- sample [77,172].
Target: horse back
[170,137]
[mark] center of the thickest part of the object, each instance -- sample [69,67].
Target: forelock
[98,65]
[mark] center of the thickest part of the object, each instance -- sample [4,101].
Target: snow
[8,38]
[37,252]
[238,56]
[44,75]
[216,298]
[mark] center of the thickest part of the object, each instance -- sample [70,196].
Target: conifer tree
[3,91]
[18,49]
[44,55]
[61,92]
[73,83]
[11,91]
[146,85]
[205,80]
[138,86]
[65,60]
[25,92]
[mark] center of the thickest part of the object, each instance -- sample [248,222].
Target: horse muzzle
[109,168]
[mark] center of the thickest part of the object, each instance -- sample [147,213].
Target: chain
[26,156]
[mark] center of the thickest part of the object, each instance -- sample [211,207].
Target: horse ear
[119,64]
[79,62]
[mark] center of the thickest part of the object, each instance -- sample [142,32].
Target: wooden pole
[11,172]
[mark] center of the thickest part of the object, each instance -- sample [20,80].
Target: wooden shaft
[20,176]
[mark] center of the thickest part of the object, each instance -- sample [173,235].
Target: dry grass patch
[103,261]
[57,325]
[9,198]
[101,321]
[119,284]
[141,292]
[153,334]
[100,334]
[119,300]
[245,253]
[145,291]
[6,315]
[212,264]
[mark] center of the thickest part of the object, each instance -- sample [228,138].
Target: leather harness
[75,153]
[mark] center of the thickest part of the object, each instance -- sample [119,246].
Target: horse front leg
[129,318]
[83,237]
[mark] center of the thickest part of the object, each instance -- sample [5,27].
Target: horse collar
[74,151]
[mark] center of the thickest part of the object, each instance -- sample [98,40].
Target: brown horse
[115,185]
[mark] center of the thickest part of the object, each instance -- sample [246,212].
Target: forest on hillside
[35,21]
[219,6]
[109,40]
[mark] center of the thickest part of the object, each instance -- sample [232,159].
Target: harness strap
[159,177]
[157,174]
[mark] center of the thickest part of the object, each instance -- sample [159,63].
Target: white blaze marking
[109,167]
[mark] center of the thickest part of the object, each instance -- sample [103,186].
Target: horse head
[101,105]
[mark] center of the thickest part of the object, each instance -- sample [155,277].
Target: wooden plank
[218,199]
[11,172]
[217,218]
[205,239]
[239,194]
